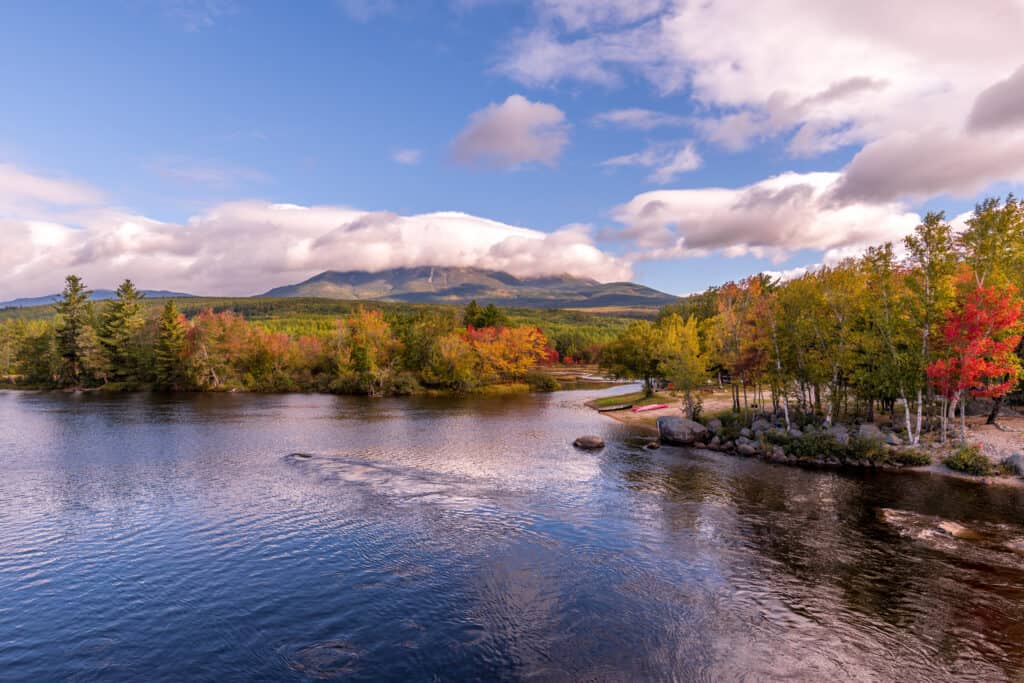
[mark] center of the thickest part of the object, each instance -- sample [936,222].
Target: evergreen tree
[73,327]
[122,319]
[492,317]
[170,349]
[473,314]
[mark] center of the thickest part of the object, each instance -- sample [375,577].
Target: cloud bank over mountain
[53,227]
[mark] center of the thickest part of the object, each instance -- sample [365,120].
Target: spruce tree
[122,319]
[74,313]
[170,347]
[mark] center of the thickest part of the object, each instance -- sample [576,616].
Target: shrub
[866,449]
[969,459]
[910,457]
[542,381]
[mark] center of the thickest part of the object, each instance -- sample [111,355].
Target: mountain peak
[459,285]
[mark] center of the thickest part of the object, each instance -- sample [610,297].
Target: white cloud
[406,156]
[1001,105]
[826,75]
[512,133]
[20,190]
[769,219]
[639,119]
[243,248]
[667,160]
[931,162]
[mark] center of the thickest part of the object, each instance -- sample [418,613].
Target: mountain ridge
[95,295]
[459,285]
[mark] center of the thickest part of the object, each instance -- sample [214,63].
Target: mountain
[460,285]
[97,295]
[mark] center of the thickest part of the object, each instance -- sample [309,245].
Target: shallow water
[243,537]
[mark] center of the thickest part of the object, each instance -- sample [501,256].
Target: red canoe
[644,409]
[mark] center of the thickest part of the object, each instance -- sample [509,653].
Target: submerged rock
[680,431]
[589,442]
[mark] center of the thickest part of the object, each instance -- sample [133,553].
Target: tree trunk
[997,405]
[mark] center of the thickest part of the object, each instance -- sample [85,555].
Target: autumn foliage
[979,339]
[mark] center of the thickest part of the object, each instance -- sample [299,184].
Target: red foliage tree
[980,335]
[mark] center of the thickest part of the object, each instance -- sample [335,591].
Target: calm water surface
[146,538]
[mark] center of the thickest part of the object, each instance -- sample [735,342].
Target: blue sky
[173,113]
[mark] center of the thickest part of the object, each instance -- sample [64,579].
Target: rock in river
[680,431]
[589,442]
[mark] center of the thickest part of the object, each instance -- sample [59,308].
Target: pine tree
[473,314]
[74,313]
[170,348]
[122,319]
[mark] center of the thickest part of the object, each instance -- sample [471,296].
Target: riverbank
[996,443]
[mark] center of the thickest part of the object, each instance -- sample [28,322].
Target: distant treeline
[126,344]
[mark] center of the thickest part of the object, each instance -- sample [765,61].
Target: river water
[245,537]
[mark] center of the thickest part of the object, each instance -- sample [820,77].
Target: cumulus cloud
[243,248]
[407,157]
[931,162]
[831,75]
[512,133]
[1000,105]
[639,119]
[769,219]
[667,160]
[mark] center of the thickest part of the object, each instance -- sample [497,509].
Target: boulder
[839,433]
[746,449]
[653,446]
[715,443]
[589,442]
[795,432]
[761,425]
[892,439]
[1016,463]
[715,425]
[870,431]
[680,431]
[746,433]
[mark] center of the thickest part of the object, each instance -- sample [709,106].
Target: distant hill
[97,295]
[460,285]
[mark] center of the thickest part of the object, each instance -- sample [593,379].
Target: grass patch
[911,457]
[636,399]
[502,389]
[969,459]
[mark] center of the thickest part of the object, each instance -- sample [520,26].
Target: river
[304,537]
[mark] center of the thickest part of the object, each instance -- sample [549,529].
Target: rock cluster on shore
[767,437]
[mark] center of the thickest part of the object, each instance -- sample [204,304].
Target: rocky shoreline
[865,446]
[768,439]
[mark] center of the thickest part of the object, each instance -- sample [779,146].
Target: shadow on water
[316,537]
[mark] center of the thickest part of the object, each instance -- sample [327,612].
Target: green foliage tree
[682,361]
[120,323]
[636,353]
[170,371]
[76,338]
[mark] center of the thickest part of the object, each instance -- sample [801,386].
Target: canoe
[644,409]
[612,409]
